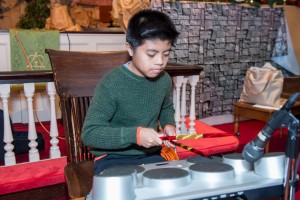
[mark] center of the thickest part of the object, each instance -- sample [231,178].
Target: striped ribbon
[195,136]
[188,148]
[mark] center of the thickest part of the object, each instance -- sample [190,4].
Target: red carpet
[35,174]
[248,131]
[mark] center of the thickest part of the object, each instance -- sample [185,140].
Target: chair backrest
[76,75]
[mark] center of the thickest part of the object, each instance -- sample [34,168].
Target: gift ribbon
[194,136]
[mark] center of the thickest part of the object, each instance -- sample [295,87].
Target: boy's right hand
[149,138]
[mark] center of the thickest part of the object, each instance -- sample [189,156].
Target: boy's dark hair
[150,25]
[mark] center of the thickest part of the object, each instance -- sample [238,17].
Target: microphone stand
[289,120]
[280,119]
[291,152]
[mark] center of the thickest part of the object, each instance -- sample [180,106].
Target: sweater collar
[125,69]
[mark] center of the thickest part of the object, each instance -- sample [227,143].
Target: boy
[121,123]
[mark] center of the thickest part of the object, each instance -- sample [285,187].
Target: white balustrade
[180,83]
[180,103]
[178,80]
[193,80]
[54,150]
[32,136]
[183,106]
[29,91]
[9,157]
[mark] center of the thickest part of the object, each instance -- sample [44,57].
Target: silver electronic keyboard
[230,177]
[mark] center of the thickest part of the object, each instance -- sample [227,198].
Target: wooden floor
[53,192]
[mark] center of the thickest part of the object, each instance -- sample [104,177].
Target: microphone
[254,150]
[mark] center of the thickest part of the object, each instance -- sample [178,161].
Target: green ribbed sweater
[122,102]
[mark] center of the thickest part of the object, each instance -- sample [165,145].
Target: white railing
[28,80]
[190,76]
[179,97]
[183,75]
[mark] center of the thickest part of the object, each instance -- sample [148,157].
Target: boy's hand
[169,131]
[149,138]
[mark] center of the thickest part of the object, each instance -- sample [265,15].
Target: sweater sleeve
[97,131]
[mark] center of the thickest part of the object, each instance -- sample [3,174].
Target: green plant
[36,13]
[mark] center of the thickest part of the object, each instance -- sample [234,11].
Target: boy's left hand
[169,131]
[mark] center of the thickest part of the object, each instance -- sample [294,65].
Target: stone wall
[225,40]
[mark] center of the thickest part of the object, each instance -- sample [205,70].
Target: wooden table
[243,109]
[248,110]
[290,86]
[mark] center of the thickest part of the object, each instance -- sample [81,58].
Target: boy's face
[149,59]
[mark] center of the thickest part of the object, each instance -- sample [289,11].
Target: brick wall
[225,40]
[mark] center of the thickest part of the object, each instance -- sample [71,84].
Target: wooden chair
[76,74]
[248,110]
